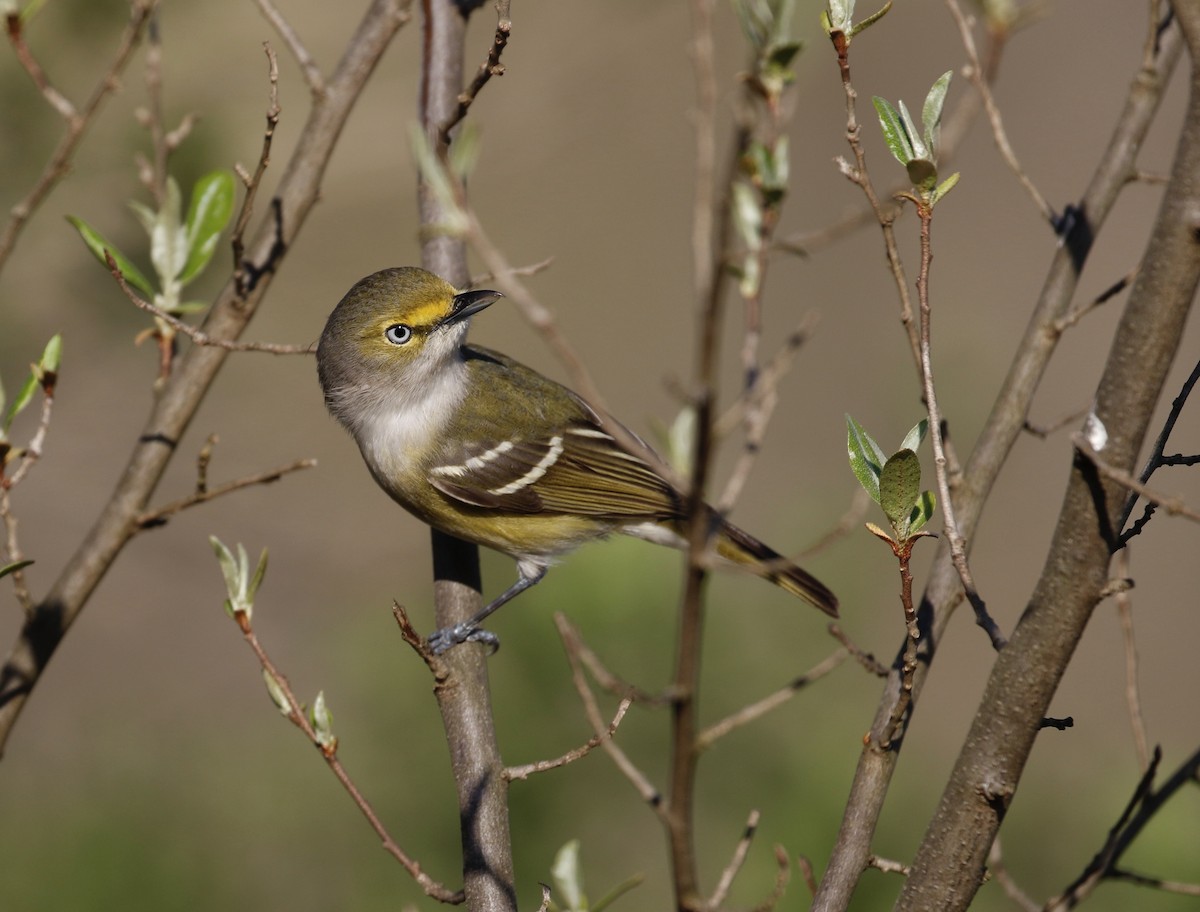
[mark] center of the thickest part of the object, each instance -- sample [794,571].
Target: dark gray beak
[471,302]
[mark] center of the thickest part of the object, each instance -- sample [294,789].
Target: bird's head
[392,334]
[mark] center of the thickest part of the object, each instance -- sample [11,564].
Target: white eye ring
[398,333]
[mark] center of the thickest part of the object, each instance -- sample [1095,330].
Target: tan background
[149,768]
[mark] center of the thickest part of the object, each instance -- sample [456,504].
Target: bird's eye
[398,333]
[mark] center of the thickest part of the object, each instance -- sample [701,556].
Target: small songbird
[492,452]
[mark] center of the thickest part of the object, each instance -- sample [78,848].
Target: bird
[481,447]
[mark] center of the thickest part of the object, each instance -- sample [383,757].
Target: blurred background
[150,769]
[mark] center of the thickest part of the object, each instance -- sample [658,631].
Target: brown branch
[294,712]
[30,454]
[1011,888]
[865,659]
[1174,506]
[159,515]
[59,163]
[578,753]
[491,67]
[954,535]
[639,780]
[198,335]
[1140,810]
[54,98]
[184,391]
[975,73]
[725,881]
[1132,694]
[760,708]
[308,66]
[253,181]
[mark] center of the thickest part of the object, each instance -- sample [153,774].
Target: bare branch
[640,782]
[308,66]
[491,67]
[160,515]
[1132,695]
[1012,889]
[59,163]
[197,335]
[748,714]
[541,766]
[974,72]
[725,881]
[1173,505]
[253,181]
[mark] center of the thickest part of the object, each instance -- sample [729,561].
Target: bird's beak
[467,303]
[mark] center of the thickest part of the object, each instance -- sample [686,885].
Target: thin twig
[1157,454]
[641,783]
[491,67]
[30,454]
[296,715]
[885,214]
[849,521]
[887,865]
[1141,808]
[756,710]
[59,163]
[1174,506]
[958,549]
[974,72]
[866,659]
[541,766]
[160,515]
[1132,693]
[725,881]
[253,181]
[197,335]
[757,404]
[25,57]
[308,66]
[1066,322]
[1045,430]
[998,870]
[783,874]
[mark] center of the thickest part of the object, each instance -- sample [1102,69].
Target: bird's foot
[448,637]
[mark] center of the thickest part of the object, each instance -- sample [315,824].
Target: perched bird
[492,452]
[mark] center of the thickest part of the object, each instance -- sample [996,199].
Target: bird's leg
[469,631]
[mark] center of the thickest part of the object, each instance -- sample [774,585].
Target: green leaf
[912,440]
[943,188]
[278,696]
[452,220]
[168,241]
[617,892]
[893,130]
[866,458]
[841,14]
[922,512]
[321,719]
[871,19]
[97,244]
[914,136]
[52,354]
[23,398]
[931,113]
[899,485]
[259,572]
[922,173]
[567,873]
[14,567]
[209,212]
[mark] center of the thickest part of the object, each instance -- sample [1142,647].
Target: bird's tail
[746,551]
